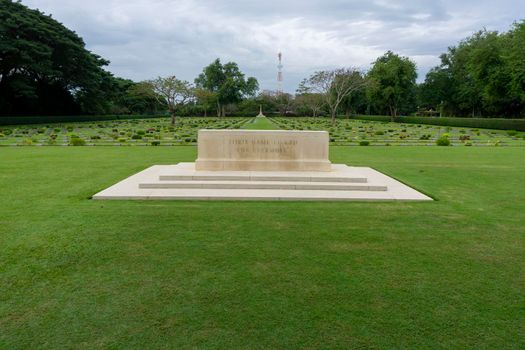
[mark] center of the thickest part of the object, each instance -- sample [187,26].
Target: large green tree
[42,62]
[393,87]
[484,75]
[227,82]
[171,91]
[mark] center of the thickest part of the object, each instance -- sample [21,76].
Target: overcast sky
[147,38]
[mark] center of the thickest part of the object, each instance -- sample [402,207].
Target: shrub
[77,141]
[468,143]
[121,140]
[512,132]
[95,137]
[57,130]
[2,135]
[443,140]
[69,128]
[141,132]
[478,123]
[27,142]
[379,132]
[155,143]
[364,143]
[464,138]
[136,137]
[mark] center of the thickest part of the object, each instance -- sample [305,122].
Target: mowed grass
[261,123]
[84,274]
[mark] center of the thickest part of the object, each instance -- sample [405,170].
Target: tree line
[45,69]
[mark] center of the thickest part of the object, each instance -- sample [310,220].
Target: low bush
[2,135]
[364,143]
[479,123]
[77,141]
[136,137]
[512,132]
[121,140]
[443,140]
[155,143]
[70,119]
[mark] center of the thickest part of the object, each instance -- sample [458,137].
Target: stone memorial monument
[261,165]
[263,150]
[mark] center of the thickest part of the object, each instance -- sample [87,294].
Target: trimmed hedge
[479,123]
[70,119]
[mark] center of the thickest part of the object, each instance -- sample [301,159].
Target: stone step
[269,177]
[263,185]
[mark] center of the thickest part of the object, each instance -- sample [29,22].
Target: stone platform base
[182,181]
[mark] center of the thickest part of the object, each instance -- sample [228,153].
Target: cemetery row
[155,132]
[364,133]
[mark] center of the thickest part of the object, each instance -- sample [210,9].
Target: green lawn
[83,274]
[260,124]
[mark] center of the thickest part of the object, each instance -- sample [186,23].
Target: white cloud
[147,38]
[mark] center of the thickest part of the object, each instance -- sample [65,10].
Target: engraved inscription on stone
[261,146]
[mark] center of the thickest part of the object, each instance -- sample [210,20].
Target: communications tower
[280,74]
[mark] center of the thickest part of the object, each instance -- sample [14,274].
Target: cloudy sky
[147,38]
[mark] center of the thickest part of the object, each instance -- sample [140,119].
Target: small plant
[379,132]
[155,143]
[364,143]
[443,140]
[468,144]
[95,137]
[141,132]
[2,135]
[121,140]
[7,132]
[512,132]
[136,137]
[57,130]
[77,141]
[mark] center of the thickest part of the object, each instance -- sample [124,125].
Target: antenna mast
[280,74]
